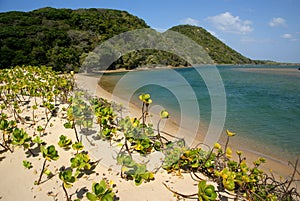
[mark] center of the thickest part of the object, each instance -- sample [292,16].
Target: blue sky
[259,29]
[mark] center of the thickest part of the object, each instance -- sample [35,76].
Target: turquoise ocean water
[263,102]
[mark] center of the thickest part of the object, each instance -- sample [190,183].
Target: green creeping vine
[39,141]
[132,170]
[41,89]
[21,138]
[146,99]
[77,146]
[206,192]
[49,153]
[44,91]
[105,117]
[64,142]
[18,86]
[236,177]
[6,128]
[101,191]
[139,137]
[78,113]
[246,183]
[81,162]
[173,151]
[27,164]
[68,179]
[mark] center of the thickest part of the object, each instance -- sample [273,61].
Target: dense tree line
[60,38]
[148,58]
[64,38]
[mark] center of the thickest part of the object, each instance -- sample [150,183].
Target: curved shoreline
[273,165]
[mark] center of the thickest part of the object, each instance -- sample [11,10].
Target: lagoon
[262,102]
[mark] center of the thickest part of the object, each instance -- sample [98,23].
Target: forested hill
[63,38]
[217,50]
[60,38]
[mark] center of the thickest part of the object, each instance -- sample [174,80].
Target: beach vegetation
[138,136]
[164,114]
[49,153]
[236,178]
[6,128]
[206,192]
[133,170]
[105,117]
[77,146]
[79,114]
[67,179]
[40,130]
[21,138]
[38,140]
[64,142]
[27,164]
[101,191]
[81,161]
[173,151]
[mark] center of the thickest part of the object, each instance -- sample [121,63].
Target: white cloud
[229,23]
[277,22]
[190,21]
[287,36]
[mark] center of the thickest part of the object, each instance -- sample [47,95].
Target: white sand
[17,183]
[274,166]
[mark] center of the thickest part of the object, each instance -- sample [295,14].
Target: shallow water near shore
[263,103]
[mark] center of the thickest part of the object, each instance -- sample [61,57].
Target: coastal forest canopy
[60,38]
[63,38]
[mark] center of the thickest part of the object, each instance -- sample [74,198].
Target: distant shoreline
[244,66]
[274,71]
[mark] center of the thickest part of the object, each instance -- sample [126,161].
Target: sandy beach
[277,167]
[17,183]
[273,166]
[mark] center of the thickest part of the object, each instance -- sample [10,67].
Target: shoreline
[15,176]
[274,71]
[242,67]
[276,166]
[241,141]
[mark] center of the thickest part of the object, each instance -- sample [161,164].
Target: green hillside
[217,50]
[63,38]
[60,38]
